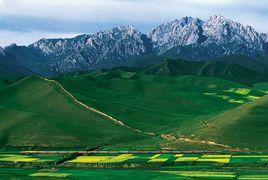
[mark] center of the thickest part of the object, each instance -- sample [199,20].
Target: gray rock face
[190,38]
[218,36]
[180,32]
[265,37]
[104,49]
[2,53]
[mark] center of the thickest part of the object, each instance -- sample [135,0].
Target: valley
[175,105]
[186,100]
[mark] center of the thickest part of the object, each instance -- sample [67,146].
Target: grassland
[158,104]
[223,69]
[244,126]
[178,111]
[174,105]
[37,112]
[6,80]
[262,87]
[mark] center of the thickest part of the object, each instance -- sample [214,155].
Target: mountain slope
[157,104]
[189,38]
[218,68]
[121,46]
[195,39]
[259,64]
[244,126]
[7,67]
[38,112]
[29,59]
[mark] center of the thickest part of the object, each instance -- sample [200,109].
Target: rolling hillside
[224,68]
[7,68]
[6,80]
[260,64]
[158,104]
[36,111]
[244,126]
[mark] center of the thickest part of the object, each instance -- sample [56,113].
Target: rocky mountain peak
[218,34]
[265,37]
[182,31]
[188,37]
[104,48]
[2,53]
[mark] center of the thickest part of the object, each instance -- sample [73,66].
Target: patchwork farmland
[177,166]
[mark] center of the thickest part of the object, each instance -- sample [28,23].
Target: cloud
[26,38]
[87,16]
[122,10]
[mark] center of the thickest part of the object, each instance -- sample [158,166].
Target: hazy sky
[25,21]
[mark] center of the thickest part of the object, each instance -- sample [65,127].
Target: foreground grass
[37,112]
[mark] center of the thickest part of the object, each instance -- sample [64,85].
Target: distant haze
[26,21]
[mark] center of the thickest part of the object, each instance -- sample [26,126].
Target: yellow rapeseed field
[89,159]
[18,158]
[48,174]
[215,158]
[156,158]
[178,155]
[119,158]
[186,159]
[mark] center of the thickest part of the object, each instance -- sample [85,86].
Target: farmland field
[21,158]
[132,111]
[146,166]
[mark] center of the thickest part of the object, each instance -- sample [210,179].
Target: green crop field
[19,158]
[159,166]
[170,158]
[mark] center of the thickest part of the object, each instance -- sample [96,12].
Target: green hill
[6,80]
[223,68]
[244,126]
[159,104]
[36,111]
[246,62]
[7,67]
[262,86]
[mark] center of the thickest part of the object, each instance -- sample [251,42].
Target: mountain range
[188,37]
[188,84]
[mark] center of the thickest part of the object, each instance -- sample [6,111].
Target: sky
[26,21]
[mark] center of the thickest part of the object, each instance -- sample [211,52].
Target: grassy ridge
[35,111]
[6,80]
[38,112]
[223,68]
[244,126]
[152,103]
